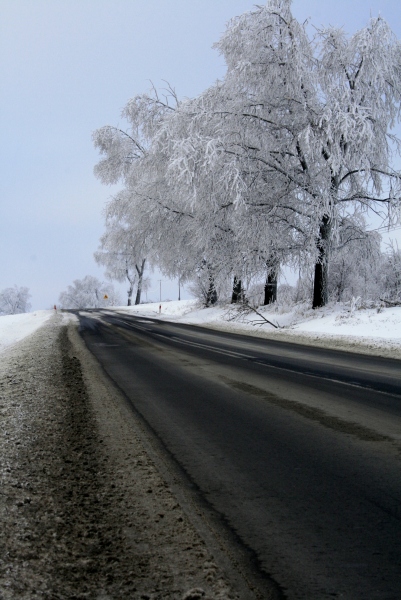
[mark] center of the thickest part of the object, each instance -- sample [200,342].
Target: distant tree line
[278,164]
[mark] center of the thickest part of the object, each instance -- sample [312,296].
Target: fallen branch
[262,317]
[390,303]
[243,309]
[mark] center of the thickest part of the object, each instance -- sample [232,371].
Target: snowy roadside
[14,328]
[85,511]
[369,331]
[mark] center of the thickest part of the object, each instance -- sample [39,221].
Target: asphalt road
[297,449]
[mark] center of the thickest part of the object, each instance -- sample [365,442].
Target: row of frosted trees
[276,165]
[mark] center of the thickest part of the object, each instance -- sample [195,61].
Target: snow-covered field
[340,326]
[14,328]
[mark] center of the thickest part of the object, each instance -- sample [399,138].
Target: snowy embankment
[14,328]
[373,331]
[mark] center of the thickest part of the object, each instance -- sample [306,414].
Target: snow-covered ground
[14,328]
[375,331]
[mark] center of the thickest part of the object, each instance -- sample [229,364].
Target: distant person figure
[55,307]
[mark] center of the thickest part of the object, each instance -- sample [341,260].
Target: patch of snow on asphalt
[14,328]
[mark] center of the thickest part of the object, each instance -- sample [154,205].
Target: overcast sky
[68,67]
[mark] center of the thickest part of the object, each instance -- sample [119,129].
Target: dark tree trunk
[237,295]
[140,272]
[211,296]
[270,289]
[130,290]
[271,282]
[320,286]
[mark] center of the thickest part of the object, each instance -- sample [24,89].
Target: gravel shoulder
[85,510]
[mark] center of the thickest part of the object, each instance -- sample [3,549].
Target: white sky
[68,67]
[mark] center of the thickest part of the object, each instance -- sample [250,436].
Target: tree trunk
[237,295]
[130,290]
[211,296]
[140,272]
[320,287]
[271,282]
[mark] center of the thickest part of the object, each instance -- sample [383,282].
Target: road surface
[295,449]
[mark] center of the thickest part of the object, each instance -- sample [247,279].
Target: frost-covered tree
[241,230]
[122,249]
[235,155]
[356,264]
[360,83]
[303,126]
[152,209]
[89,292]
[263,168]
[189,221]
[142,220]
[14,300]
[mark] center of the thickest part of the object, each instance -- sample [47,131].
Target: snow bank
[376,331]
[14,328]
[176,308]
[385,324]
